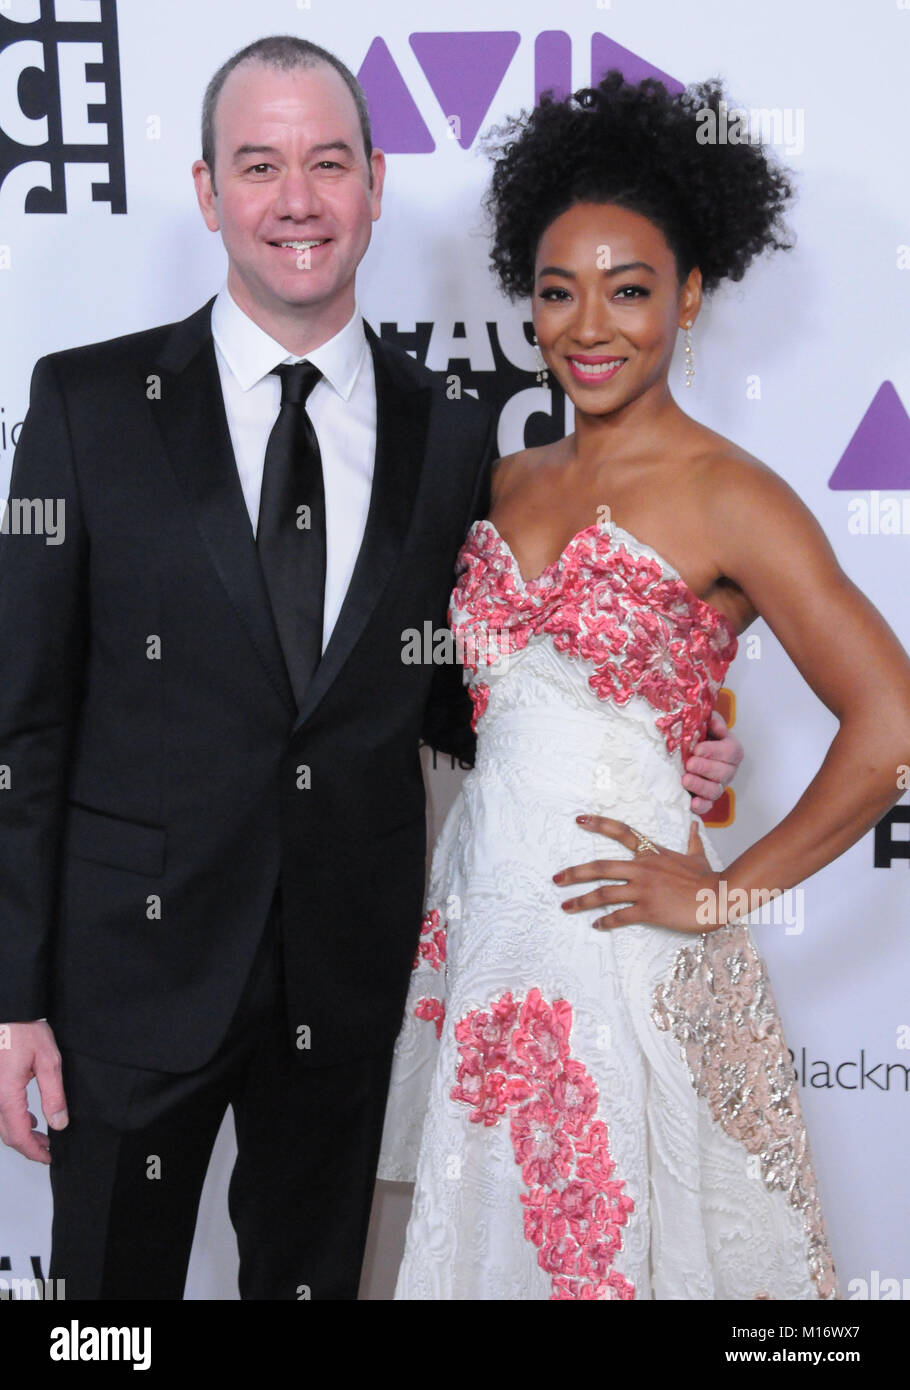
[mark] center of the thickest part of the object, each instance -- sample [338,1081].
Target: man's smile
[302,244]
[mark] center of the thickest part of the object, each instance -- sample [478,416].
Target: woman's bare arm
[772,546]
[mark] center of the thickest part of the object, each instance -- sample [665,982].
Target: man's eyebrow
[333,145]
[613,269]
[243,151]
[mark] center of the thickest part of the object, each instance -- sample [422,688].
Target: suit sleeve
[447,718]
[42,622]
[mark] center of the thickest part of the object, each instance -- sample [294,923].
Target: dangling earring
[690,356]
[542,372]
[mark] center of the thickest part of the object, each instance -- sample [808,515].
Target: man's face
[291,192]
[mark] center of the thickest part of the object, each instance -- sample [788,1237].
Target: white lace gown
[586,1114]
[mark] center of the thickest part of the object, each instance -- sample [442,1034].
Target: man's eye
[258,168]
[329,164]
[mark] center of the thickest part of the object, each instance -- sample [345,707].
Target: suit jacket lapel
[192,419]
[402,420]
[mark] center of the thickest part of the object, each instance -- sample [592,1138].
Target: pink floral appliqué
[515,1057]
[432,944]
[638,624]
[433,1011]
[431,948]
[480,695]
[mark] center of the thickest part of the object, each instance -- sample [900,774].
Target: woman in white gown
[598,1103]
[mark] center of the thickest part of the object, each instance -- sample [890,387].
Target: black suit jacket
[162,782]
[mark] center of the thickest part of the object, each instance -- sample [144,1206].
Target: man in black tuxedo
[212,843]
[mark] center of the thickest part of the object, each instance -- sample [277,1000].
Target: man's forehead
[276,90]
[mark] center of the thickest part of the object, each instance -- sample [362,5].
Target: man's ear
[205,193]
[377,169]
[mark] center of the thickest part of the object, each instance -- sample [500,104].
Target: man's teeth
[302,245]
[597,368]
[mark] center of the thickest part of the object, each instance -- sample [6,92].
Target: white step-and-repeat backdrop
[805,364]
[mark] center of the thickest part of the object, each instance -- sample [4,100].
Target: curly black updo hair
[634,144]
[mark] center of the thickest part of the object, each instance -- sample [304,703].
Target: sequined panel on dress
[718,1005]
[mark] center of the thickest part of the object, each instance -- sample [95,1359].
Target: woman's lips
[594,371]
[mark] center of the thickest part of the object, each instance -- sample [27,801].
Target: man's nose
[298,195]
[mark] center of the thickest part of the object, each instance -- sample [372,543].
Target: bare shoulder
[512,471]
[732,483]
[752,519]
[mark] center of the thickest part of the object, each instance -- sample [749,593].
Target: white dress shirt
[342,407]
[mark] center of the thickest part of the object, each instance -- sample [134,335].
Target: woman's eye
[554,293]
[632,292]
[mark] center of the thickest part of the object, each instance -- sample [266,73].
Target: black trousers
[127,1172]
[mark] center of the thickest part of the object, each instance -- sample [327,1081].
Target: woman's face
[607,305]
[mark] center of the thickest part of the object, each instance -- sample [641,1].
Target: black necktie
[290,535]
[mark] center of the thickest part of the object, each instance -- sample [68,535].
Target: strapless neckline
[600,527]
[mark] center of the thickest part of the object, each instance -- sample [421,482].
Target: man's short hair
[284,52]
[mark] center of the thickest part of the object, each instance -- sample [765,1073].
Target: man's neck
[299,329]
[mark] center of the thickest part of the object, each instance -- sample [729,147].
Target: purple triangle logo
[607,53]
[397,125]
[878,455]
[465,71]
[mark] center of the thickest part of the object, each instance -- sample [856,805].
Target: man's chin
[289,296]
